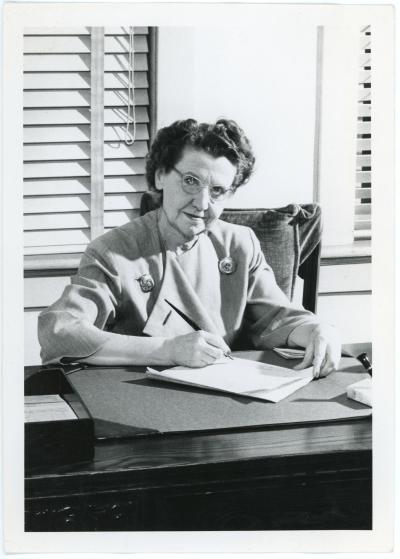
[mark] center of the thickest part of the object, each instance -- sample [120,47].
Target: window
[362,224]
[86,92]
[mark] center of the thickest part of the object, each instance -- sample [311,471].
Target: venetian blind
[362,224]
[80,176]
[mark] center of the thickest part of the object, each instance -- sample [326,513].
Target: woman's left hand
[323,350]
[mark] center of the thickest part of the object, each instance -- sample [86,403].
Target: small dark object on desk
[366,363]
[63,441]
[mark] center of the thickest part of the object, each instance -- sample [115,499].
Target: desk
[310,477]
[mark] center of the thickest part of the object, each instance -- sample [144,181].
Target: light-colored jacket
[106,296]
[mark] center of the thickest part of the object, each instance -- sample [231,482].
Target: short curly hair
[222,139]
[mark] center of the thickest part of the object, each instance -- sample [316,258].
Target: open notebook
[240,376]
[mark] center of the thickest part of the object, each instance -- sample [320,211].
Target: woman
[123,306]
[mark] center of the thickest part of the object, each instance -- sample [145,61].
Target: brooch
[146,283]
[227,265]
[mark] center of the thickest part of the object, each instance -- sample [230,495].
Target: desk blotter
[123,402]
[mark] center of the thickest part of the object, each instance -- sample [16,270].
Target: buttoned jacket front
[126,276]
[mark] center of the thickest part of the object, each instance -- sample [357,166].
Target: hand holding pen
[197,349]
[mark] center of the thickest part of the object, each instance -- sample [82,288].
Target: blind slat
[57,221]
[120,44]
[122,201]
[118,115]
[363,224]
[82,168]
[55,238]
[364,109]
[127,167]
[80,98]
[363,193]
[57,169]
[363,210]
[80,80]
[363,176]
[362,235]
[120,62]
[81,30]
[59,152]
[364,76]
[363,144]
[363,127]
[125,184]
[56,204]
[363,161]
[116,218]
[125,30]
[365,60]
[54,250]
[80,116]
[80,62]
[364,94]
[56,116]
[80,44]
[59,134]
[56,186]
[119,97]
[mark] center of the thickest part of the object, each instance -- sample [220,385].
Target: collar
[171,238]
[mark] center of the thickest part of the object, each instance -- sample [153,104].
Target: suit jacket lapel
[164,321]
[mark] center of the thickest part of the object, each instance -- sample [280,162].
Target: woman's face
[188,213]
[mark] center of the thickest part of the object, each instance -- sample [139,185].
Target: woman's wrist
[300,336]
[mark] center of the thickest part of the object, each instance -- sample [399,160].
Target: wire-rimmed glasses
[193,185]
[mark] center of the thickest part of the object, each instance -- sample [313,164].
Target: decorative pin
[227,265]
[146,283]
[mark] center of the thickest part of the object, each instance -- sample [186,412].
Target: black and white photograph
[199,334]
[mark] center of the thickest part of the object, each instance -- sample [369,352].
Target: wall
[265,79]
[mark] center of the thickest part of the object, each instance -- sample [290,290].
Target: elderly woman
[124,306]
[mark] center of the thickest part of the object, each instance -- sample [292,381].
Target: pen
[366,363]
[189,321]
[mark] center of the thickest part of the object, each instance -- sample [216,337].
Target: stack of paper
[240,376]
[47,407]
[361,391]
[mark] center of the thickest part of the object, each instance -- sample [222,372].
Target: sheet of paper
[361,391]
[240,376]
[49,407]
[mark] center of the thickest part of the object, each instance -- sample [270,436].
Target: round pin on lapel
[146,283]
[227,265]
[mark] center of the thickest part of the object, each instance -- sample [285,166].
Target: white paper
[49,407]
[240,376]
[361,391]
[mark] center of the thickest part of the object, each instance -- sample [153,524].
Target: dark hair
[222,139]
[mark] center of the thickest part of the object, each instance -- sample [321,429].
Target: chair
[289,238]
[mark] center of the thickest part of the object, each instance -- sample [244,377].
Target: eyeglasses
[193,185]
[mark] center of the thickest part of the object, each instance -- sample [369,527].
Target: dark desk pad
[123,402]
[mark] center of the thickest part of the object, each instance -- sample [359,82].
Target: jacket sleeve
[271,315]
[75,326]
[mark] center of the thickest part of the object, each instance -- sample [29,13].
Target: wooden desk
[311,477]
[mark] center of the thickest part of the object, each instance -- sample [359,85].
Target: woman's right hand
[196,349]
